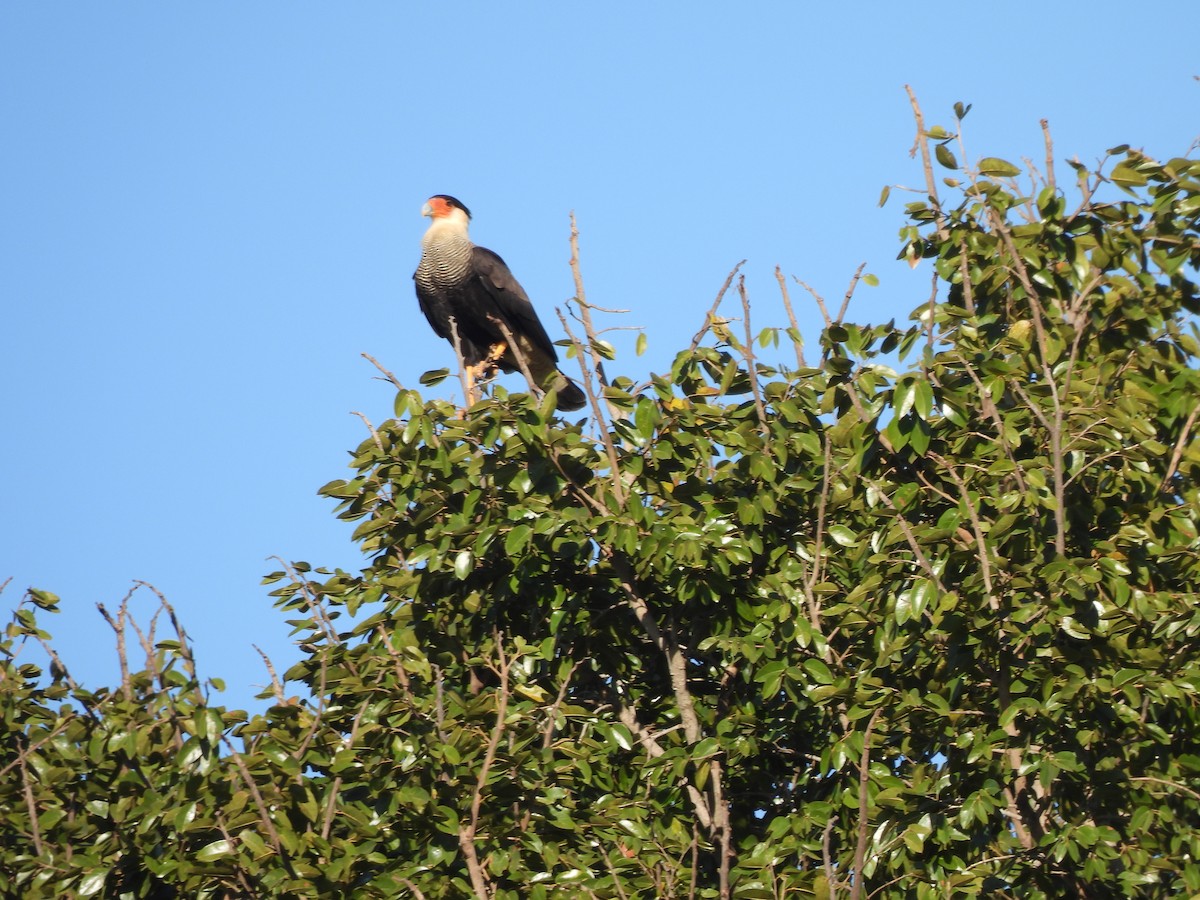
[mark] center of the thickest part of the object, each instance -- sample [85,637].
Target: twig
[854,279]
[465,376]
[1049,154]
[401,673]
[467,831]
[981,544]
[827,856]
[797,341]
[722,827]
[276,684]
[31,807]
[1056,429]
[616,878]
[585,309]
[864,771]
[118,627]
[1171,784]
[390,377]
[665,641]
[751,365]
[264,814]
[855,400]
[36,745]
[57,664]
[336,787]
[605,432]
[1177,454]
[818,569]
[923,143]
[708,318]
[522,362]
[548,732]
[370,427]
[830,320]
[909,537]
[627,715]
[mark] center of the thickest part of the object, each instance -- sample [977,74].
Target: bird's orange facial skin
[438,208]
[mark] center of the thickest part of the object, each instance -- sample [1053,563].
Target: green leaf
[992,167]
[604,349]
[44,599]
[843,535]
[215,850]
[818,670]
[945,156]
[93,882]
[622,736]
[1127,176]
[434,376]
[464,563]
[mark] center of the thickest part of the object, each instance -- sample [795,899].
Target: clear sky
[209,211]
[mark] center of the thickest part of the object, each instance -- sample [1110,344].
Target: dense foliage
[914,620]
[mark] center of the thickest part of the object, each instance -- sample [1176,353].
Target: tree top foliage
[911,618]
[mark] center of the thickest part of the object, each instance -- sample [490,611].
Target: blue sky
[209,211]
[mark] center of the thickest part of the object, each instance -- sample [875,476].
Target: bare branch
[628,717]
[388,375]
[751,365]
[264,814]
[1049,154]
[922,142]
[468,829]
[336,786]
[981,544]
[370,427]
[708,318]
[909,537]
[31,806]
[827,856]
[585,309]
[552,715]
[610,448]
[118,627]
[665,641]
[522,362]
[721,826]
[276,684]
[797,341]
[854,279]
[1174,785]
[864,771]
[1177,454]
[466,376]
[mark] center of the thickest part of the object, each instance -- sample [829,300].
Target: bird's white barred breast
[444,263]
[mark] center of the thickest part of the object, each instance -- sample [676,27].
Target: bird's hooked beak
[427,210]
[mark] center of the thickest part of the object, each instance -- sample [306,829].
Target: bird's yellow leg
[472,385]
[495,354]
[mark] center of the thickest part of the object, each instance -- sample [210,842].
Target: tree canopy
[915,617]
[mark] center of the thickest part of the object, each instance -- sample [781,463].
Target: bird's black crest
[453,201]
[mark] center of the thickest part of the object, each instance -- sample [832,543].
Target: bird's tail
[570,395]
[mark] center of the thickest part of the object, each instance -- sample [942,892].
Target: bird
[469,289]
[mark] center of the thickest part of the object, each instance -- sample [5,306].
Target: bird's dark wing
[510,299]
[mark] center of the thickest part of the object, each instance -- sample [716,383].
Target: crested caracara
[471,286]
